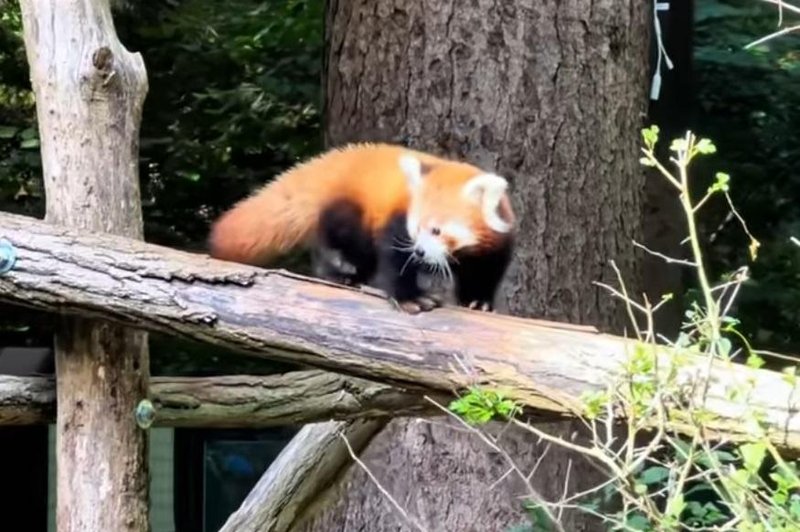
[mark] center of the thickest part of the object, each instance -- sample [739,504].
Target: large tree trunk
[552,95]
[89,93]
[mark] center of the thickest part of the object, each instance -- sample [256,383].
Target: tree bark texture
[235,401]
[552,96]
[311,463]
[89,94]
[546,366]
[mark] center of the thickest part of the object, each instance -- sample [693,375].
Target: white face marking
[433,248]
[412,222]
[412,169]
[460,233]
[432,241]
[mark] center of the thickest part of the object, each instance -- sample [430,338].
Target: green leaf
[676,505]
[794,507]
[646,161]
[479,406]
[754,361]
[724,347]
[730,321]
[654,475]
[722,183]
[724,456]
[29,144]
[683,449]
[650,136]
[191,176]
[678,145]
[594,403]
[8,132]
[741,479]
[637,522]
[539,518]
[753,455]
[705,146]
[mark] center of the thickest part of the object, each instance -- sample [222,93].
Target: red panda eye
[435,231]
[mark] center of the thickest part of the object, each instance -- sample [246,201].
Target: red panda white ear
[488,191]
[412,168]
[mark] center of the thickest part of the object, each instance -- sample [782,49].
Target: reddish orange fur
[284,213]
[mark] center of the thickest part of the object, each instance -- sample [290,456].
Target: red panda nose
[419,252]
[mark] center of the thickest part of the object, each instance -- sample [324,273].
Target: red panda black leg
[398,270]
[345,252]
[478,276]
[329,264]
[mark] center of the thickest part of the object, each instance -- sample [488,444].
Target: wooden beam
[310,464]
[545,366]
[235,401]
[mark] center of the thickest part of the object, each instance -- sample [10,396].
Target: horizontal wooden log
[544,366]
[27,400]
[233,401]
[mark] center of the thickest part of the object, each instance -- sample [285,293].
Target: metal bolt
[8,256]
[145,413]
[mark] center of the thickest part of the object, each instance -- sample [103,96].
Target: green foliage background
[234,98]
[747,102]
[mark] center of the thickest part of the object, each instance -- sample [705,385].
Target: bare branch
[666,258]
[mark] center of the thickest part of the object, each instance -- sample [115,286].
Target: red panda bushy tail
[271,222]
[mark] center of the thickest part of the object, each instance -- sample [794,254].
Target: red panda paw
[483,306]
[430,302]
[420,304]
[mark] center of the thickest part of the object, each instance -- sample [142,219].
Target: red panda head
[454,208]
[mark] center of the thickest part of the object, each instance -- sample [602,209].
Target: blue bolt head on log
[8,256]
[145,414]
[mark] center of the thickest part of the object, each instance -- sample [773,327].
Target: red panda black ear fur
[488,190]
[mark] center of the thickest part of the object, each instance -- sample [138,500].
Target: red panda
[386,213]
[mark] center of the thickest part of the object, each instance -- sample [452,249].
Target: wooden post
[89,93]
